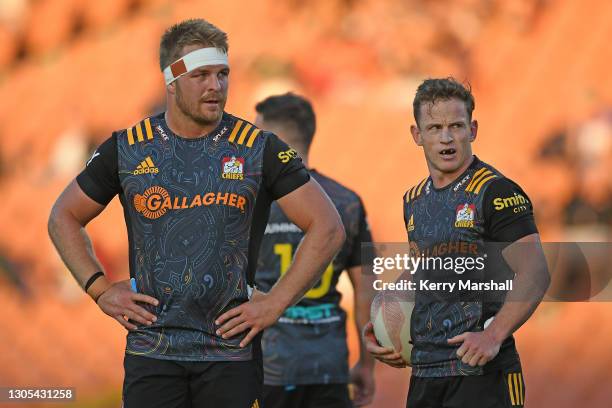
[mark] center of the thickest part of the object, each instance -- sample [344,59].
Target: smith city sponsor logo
[233,168]
[465,216]
[287,155]
[146,167]
[517,202]
[156,201]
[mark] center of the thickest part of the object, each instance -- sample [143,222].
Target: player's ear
[171,88]
[416,135]
[473,130]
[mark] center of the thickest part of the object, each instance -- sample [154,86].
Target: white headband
[193,60]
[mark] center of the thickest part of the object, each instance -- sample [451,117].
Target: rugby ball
[390,315]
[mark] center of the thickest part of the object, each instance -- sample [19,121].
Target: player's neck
[184,126]
[442,179]
[304,156]
[302,152]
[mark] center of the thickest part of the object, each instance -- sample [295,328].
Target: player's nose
[446,136]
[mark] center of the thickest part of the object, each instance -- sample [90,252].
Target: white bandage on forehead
[193,60]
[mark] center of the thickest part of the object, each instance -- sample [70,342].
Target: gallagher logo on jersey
[156,201]
[465,216]
[233,168]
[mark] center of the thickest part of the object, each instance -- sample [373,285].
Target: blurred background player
[456,360]
[305,352]
[194,232]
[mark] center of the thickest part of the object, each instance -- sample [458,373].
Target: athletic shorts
[504,388]
[154,383]
[306,396]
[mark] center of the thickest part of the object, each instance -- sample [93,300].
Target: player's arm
[312,211]
[72,211]
[305,203]
[364,293]
[362,374]
[526,259]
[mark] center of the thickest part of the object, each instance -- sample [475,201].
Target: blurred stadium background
[71,71]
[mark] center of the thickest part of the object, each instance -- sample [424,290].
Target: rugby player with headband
[196,185]
[195,59]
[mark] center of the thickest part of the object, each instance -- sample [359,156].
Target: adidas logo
[146,167]
[410,225]
[255,404]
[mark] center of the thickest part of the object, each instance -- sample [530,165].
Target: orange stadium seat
[8,45]
[100,14]
[49,24]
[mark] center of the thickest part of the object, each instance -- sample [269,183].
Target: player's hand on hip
[477,348]
[259,312]
[362,378]
[120,303]
[382,354]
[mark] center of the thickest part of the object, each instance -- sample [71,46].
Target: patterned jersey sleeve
[508,212]
[100,178]
[363,235]
[283,170]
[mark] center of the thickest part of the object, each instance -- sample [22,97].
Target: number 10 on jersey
[285,251]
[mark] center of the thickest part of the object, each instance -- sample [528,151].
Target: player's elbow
[59,217]
[336,235]
[542,277]
[545,277]
[54,221]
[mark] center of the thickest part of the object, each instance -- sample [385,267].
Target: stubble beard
[192,112]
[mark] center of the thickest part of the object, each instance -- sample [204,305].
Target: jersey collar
[215,133]
[475,163]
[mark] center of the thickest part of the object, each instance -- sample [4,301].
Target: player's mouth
[448,154]
[211,102]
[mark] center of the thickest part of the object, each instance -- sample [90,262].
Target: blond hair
[189,32]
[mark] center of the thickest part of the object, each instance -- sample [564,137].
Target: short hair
[432,90]
[293,109]
[189,32]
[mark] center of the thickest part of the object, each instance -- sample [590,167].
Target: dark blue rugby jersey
[308,344]
[195,210]
[459,220]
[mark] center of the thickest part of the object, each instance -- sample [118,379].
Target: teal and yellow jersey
[462,219]
[308,344]
[196,210]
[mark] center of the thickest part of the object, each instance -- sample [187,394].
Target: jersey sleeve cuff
[91,189]
[353,264]
[290,182]
[515,231]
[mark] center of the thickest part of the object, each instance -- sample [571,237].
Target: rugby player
[196,185]
[464,354]
[305,353]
